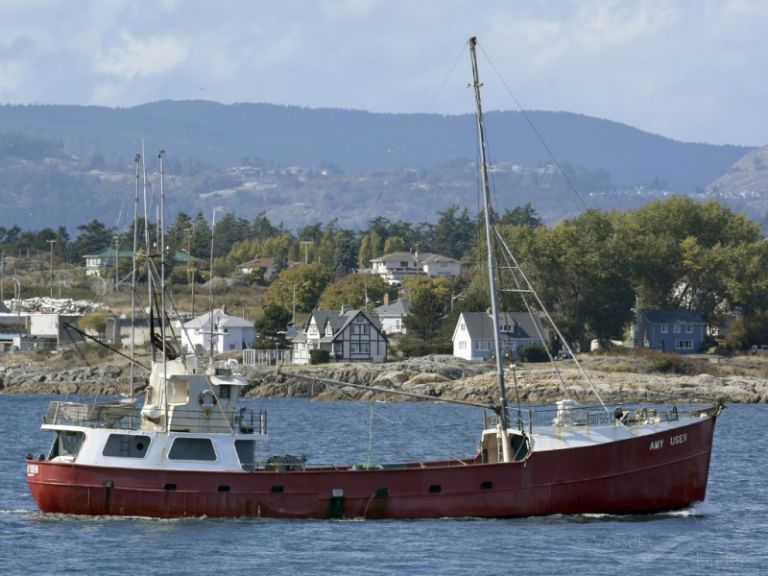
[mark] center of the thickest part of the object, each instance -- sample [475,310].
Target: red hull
[619,477]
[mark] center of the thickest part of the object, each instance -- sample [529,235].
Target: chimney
[223,309]
[386,298]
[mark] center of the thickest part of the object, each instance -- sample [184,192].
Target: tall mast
[491,256]
[149,251]
[133,269]
[161,225]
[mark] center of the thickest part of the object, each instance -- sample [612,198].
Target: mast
[161,235]
[502,406]
[149,252]
[133,270]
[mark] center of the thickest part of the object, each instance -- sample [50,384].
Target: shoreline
[438,377]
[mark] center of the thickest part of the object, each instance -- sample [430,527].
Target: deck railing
[127,416]
[527,418]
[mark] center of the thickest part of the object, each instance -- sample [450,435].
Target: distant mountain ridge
[220,135]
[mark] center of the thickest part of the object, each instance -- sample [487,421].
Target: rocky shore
[736,380]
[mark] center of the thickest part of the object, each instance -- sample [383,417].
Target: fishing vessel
[190,450]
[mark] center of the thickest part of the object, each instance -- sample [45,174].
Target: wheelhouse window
[126,446]
[192,449]
[67,444]
[246,453]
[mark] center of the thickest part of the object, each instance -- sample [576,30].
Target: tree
[394,244]
[308,281]
[93,237]
[429,305]
[521,216]
[580,267]
[356,290]
[272,326]
[453,233]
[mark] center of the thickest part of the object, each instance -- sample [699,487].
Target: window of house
[676,328]
[664,328]
[462,327]
[689,328]
[683,344]
[365,348]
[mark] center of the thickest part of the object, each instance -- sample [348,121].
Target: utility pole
[51,242]
[306,251]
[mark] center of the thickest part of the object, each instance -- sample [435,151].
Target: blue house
[680,331]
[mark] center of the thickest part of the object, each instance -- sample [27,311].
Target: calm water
[728,534]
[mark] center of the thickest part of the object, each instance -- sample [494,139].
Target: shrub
[533,353]
[318,356]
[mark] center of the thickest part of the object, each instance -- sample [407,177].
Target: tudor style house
[229,332]
[680,331]
[349,336]
[473,335]
[394,267]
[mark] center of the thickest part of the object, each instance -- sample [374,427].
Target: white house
[392,316]
[473,335]
[349,335]
[229,332]
[394,267]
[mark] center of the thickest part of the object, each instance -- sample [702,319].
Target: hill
[309,165]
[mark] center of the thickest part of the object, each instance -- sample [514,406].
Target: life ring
[207,399]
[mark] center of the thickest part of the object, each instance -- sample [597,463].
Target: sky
[691,70]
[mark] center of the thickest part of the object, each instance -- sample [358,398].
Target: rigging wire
[535,130]
[440,90]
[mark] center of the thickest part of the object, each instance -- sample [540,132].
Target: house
[97,263]
[349,335]
[54,328]
[392,316]
[266,265]
[229,332]
[473,336]
[681,331]
[394,267]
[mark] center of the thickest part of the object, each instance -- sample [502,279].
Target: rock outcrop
[440,377]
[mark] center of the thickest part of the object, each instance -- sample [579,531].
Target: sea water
[726,534]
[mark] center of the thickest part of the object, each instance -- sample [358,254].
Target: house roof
[220,320]
[338,321]
[398,308]
[522,325]
[259,263]
[424,257]
[109,254]
[435,258]
[658,316]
